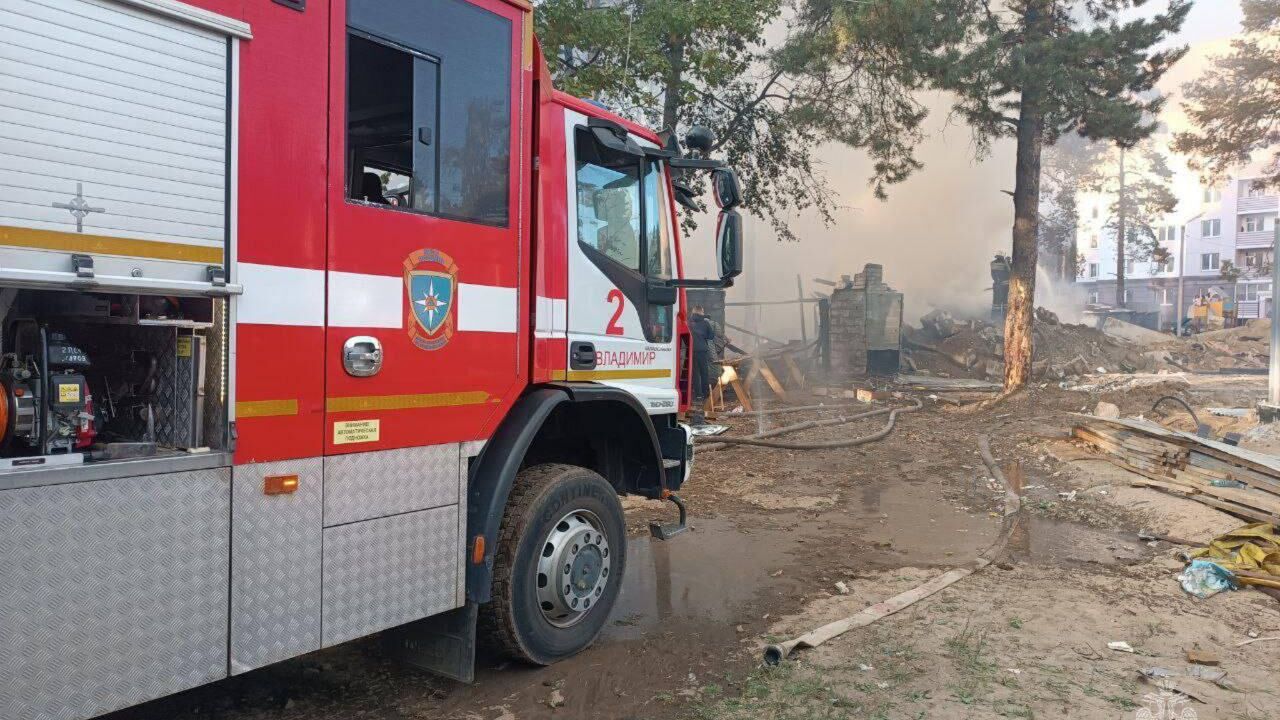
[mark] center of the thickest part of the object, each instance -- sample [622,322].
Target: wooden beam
[772,380]
[744,397]
[796,376]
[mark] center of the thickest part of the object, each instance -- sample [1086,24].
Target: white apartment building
[1234,221]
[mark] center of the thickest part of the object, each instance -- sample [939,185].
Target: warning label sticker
[184,346]
[68,393]
[355,431]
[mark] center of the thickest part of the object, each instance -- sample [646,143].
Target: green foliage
[671,64]
[1228,271]
[1235,105]
[1085,69]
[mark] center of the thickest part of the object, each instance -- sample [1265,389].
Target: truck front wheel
[559,563]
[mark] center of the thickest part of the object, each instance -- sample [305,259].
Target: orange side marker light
[477,550]
[279,484]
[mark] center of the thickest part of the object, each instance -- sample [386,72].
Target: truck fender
[493,472]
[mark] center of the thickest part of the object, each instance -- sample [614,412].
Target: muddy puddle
[898,523]
[703,576]
[1044,541]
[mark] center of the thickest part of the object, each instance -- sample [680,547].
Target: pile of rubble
[949,347]
[1246,347]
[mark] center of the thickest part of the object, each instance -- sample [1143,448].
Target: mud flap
[444,644]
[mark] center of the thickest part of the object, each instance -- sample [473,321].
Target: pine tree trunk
[673,81]
[1026,215]
[1121,222]
[1020,313]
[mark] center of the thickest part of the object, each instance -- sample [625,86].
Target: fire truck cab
[320,320]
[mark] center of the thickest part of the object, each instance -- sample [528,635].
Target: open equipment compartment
[91,379]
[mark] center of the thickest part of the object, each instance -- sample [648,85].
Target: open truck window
[390,99]
[429,110]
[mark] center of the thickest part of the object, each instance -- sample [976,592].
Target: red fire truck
[318,320]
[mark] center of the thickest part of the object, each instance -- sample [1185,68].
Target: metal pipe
[1182,267]
[1273,381]
[831,444]
[804,331]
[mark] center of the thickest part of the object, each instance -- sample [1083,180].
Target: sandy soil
[775,531]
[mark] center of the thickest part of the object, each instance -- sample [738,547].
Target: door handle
[582,356]
[362,356]
[425,135]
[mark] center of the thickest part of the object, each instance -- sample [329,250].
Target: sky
[938,231]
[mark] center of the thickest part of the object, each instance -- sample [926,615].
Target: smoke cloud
[937,232]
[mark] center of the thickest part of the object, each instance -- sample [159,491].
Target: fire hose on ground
[760,439]
[774,654]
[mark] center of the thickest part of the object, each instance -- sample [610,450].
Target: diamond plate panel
[276,542]
[112,592]
[390,571]
[362,486]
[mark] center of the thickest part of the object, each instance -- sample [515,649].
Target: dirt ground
[774,531]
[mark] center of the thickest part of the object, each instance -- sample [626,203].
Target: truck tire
[558,566]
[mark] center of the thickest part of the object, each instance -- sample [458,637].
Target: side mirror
[728,189]
[729,244]
[700,138]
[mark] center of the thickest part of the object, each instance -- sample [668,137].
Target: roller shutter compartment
[115,130]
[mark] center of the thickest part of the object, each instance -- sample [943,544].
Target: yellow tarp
[1252,547]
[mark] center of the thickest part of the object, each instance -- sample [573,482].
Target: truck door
[426,188]
[620,236]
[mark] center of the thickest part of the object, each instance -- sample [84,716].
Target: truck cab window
[609,211]
[429,108]
[387,165]
[624,222]
[657,241]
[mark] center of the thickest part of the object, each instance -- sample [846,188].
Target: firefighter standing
[703,340]
[1001,269]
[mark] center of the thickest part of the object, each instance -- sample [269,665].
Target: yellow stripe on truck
[106,245]
[265,408]
[406,402]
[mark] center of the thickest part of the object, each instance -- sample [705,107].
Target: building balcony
[1256,239]
[1258,204]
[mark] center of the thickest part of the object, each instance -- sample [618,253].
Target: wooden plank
[1235,472]
[1268,465]
[744,398]
[796,376]
[1238,496]
[1191,494]
[772,380]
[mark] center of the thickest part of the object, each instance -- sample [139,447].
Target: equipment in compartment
[47,407]
[99,377]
